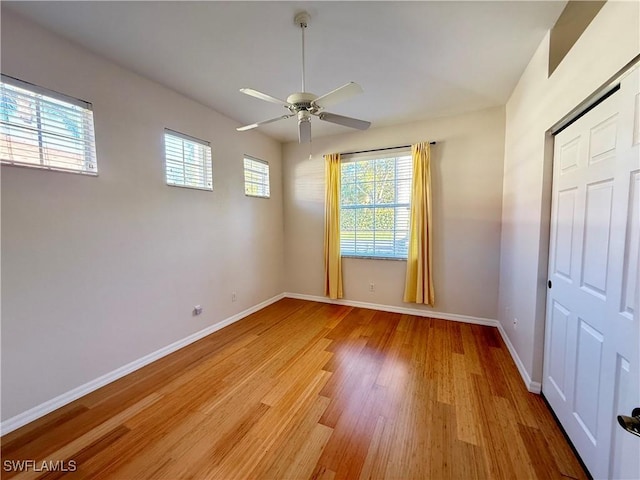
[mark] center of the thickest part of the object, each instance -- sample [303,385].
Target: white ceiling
[414,60]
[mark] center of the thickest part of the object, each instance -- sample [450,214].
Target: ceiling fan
[304,104]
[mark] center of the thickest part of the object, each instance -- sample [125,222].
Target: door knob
[631,424]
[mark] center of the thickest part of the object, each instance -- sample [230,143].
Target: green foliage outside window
[375,207]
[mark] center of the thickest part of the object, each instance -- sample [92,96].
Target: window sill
[363,257]
[202,189]
[34,166]
[265,197]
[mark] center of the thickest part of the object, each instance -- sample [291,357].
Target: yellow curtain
[418,287]
[332,259]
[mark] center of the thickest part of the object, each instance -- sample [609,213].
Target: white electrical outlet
[197,310]
[372,287]
[234,297]
[515,322]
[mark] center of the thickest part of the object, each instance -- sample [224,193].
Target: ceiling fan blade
[346,121]
[254,125]
[338,95]
[304,131]
[263,96]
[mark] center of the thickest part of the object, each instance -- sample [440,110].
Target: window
[44,129]
[187,161]
[374,206]
[256,177]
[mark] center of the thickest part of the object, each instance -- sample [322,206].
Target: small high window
[45,129]
[187,161]
[256,177]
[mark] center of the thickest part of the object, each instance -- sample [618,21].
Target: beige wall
[537,103]
[467,196]
[98,272]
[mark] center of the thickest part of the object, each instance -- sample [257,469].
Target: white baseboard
[533,387]
[38,411]
[406,310]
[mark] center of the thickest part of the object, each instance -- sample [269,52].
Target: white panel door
[592,337]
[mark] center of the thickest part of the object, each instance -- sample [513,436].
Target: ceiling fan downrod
[302,19]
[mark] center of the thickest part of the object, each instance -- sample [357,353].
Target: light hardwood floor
[310,390]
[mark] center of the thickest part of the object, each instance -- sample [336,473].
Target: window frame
[372,157]
[268,177]
[197,141]
[85,117]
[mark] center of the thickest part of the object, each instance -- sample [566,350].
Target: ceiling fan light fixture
[304,127]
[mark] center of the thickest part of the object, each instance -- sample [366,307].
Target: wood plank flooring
[304,390]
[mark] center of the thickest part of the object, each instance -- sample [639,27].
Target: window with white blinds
[187,161]
[374,205]
[256,178]
[44,129]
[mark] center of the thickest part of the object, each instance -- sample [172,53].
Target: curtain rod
[381,149]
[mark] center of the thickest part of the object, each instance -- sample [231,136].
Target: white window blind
[44,129]
[187,161]
[375,200]
[256,177]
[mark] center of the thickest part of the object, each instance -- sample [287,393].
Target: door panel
[588,363]
[564,237]
[596,238]
[631,248]
[591,365]
[569,155]
[602,144]
[558,339]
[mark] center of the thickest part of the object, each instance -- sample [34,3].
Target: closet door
[592,339]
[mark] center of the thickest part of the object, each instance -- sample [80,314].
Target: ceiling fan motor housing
[302,101]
